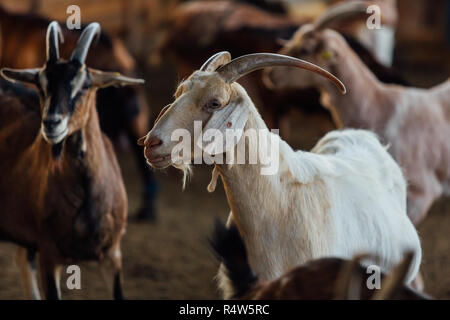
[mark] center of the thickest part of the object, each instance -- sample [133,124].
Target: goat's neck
[246,188]
[360,107]
[275,210]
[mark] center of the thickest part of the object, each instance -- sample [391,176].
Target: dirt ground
[171,259]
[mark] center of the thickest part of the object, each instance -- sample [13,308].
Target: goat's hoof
[147,213]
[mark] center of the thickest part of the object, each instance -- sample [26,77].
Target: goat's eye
[213,104]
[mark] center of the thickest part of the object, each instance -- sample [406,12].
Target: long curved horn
[84,42]
[243,65]
[216,61]
[341,11]
[53,37]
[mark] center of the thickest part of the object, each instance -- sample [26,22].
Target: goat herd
[304,232]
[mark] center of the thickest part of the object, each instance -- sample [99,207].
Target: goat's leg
[137,126]
[115,257]
[222,278]
[150,192]
[50,278]
[114,286]
[104,272]
[57,274]
[117,289]
[26,262]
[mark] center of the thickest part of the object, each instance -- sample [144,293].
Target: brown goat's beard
[57,150]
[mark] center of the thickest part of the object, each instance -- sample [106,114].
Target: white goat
[346,196]
[414,122]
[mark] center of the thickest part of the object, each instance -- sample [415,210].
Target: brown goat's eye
[213,104]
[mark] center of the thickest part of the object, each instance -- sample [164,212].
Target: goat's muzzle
[54,128]
[151,144]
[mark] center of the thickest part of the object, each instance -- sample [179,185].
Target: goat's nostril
[154,142]
[51,124]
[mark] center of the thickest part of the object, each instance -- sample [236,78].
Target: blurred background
[166,255]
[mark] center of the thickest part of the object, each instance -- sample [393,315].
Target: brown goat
[415,122]
[320,279]
[61,190]
[120,109]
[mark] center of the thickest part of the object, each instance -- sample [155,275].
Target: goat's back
[418,132]
[369,195]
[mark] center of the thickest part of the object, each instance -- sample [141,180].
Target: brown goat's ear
[103,79]
[21,75]
[348,282]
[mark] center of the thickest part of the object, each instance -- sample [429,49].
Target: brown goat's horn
[241,66]
[84,42]
[216,61]
[341,11]
[348,281]
[394,281]
[54,36]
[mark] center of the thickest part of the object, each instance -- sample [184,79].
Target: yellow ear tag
[327,55]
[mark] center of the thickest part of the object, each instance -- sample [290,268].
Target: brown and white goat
[61,190]
[121,110]
[319,279]
[414,122]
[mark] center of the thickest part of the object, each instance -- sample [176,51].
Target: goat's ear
[103,79]
[21,75]
[233,117]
